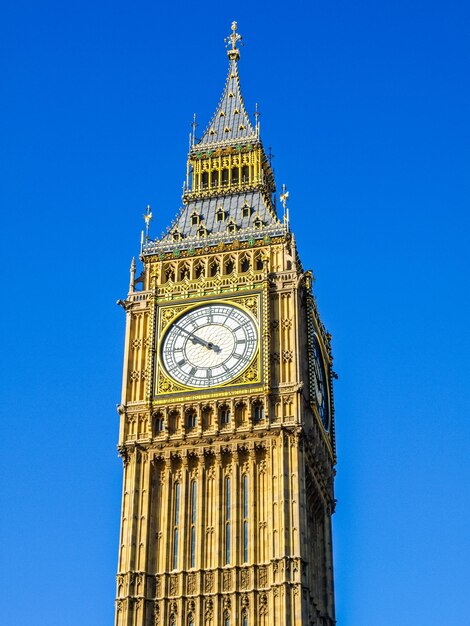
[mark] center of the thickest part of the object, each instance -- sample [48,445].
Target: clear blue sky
[366,106]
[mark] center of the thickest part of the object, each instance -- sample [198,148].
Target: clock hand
[195,339]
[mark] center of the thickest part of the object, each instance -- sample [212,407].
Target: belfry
[226,418]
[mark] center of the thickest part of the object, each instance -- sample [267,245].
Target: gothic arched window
[225,415]
[176,524]
[228,507]
[245,518]
[193,523]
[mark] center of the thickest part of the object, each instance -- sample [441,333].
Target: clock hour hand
[195,339]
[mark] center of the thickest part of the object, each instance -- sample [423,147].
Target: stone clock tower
[226,420]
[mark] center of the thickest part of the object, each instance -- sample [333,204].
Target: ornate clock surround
[254,376]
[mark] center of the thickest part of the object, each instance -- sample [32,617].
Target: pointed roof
[230,121]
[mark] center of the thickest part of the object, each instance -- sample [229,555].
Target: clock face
[209,345]
[320,388]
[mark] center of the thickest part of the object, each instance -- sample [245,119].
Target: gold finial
[147,219]
[233,39]
[284,197]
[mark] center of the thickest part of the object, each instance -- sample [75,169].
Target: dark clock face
[209,345]
[320,385]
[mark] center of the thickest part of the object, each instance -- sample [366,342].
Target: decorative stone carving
[263,576]
[227,581]
[263,604]
[173,584]
[191,583]
[244,579]
[209,582]
[156,614]
[209,609]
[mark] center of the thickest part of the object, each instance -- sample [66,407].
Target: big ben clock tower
[226,418]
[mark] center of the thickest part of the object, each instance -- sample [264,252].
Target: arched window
[226,618]
[228,506]
[159,423]
[245,518]
[191,621]
[176,524]
[214,268]
[258,412]
[199,270]
[193,522]
[225,415]
[259,263]
[229,266]
[192,419]
[245,265]
[245,619]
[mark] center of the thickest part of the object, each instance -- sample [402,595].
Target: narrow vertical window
[176,526]
[245,620]
[227,619]
[227,520]
[193,522]
[245,518]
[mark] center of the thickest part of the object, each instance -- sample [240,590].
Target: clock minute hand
[195,339]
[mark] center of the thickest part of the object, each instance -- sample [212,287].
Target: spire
[230,121]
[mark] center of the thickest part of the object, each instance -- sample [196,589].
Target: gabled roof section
[230,121]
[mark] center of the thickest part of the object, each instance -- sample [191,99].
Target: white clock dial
[209,345]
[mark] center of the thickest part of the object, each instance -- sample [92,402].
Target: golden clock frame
[251,376]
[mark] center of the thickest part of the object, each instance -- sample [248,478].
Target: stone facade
[228,490]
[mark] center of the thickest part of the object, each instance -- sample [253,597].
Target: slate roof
[232,206]
[230,121]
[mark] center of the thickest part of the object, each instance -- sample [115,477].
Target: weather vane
[147,219]
[233,39]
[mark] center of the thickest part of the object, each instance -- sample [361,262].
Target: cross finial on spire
[233,39]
